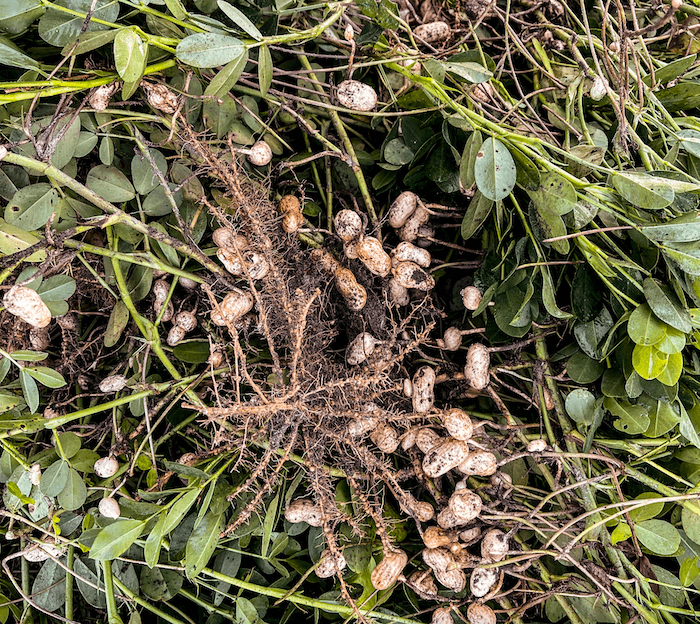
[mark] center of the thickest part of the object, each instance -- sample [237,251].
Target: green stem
[69,582]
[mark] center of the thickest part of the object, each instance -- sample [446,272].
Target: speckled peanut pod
[371,253]
[304,510]
[444,457]
[410,275]
[389,569]
[423,395]
[408,252]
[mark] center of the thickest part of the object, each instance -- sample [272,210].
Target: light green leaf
[662,419]
[46,376]
[691,523]
[648,362]
[555,194]
[179,509]
[115,538]
[471,72]
[57,288]
[14,239]
[683,229]
[643,190]
[674,368]
[17,15]
[143,177]
[494,170]
[644,328]
[673,342]
[659,536]
[129,55]
[202,543]
[548,297]
[580,404]
[118,320]
[151,549]
[208,50]
[240,20]
[647,512]
[89,41]
[32,206]
[30,391]
[632,419]
[478,211]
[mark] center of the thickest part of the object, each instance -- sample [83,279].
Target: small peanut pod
[228,238]
[494,545]
[402,208]
[371,253]
[161,288]
[328,564]
[480,614]
[398,294]
[437,537]
[444,457]
[451,339]
[304,510]
[476,370]
[482,580]
[256,265]
[385,437]
[442,615]
[27,305]
[348,225]
[447,520]
[423,583]
[360,348]
[433,31]
[292,215]
[235,306]
[426,439]
[356,95]
[409,230]
[455,579]
[358,427]
[109,508]
[480,463]
[421,510]
[458,424]
[260,154]
[471,297]
[423,390]
[408,252]
[439,559]
[113,383]
[410,275]
[106,467]
[350,250]
[537,446]
[355,295]
[325,261]
[389,569]
[465,505]
[231,259]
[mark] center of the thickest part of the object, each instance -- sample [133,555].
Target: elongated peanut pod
[355,295]
[423,390]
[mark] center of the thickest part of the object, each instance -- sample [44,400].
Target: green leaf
[647,512]
[548,297]
[186,471]
[662,419]
[206,50]
[478,211]
[110,184]
[666,305]
[686,255]
[179,509]
[151,549]
[240,20]
[92,595]
[157,203]
[589,335]
[12,56]
[118,320]
[74,494]
[580,404]
[689,571]
[648,362]
[659,536]
[29,356]
[57,288]
[691,523]
[466,164]
[396,152]
[202,543]
[683,229]
[621,533]
[114,539]
[227,77]
[586,294]
[17,15]
[548,224]
[89,41]
[55,478]
[643,190]
[269,523]
[46,376]
[59,28]
[70,443]
[582,369]
[160,584]
[632,419]
[32,206]
[644,328]
[30,391]
[49,586]
[143,177]
[129,55]
[687,427]
[494,170]
[555,195]
[192,352]
[673,342]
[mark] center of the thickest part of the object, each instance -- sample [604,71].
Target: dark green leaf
[115,538]
[74,493]
[110,184]
[494,170]
[55,478]
[59,28]
[32,206]
[666,305]
[208,50]
[202,543]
